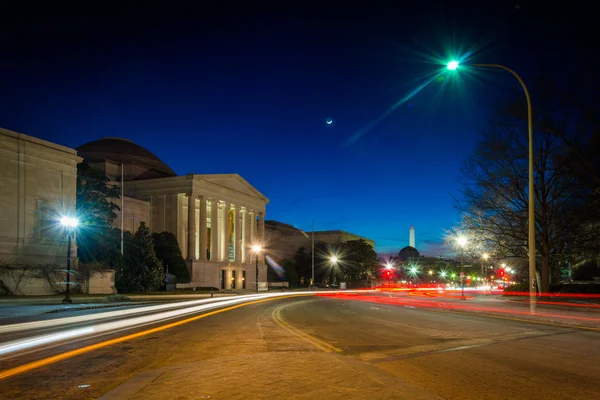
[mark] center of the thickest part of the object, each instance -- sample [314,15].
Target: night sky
[249,90]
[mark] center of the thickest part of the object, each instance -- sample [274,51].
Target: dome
[125,151]
[408,253]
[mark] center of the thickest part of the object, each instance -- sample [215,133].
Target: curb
[100,306]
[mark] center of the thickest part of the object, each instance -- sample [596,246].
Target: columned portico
[216,231]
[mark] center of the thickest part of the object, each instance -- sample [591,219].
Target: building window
[243,279]
[223,277]
[233,279]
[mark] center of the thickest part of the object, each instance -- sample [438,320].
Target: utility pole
[122,210]
[313,253]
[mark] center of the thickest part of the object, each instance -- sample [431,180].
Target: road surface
[326,347]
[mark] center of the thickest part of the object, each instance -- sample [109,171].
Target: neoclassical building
[216,218]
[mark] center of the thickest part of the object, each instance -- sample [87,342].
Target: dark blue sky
[248,90]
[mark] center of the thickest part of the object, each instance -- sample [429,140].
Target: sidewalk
[271,375]
[32,310]
[80,299]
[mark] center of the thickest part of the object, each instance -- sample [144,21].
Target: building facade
[216,218]
[38,184]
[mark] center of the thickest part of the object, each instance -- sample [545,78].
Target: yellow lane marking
[72,353]
[587,328]
[326,347]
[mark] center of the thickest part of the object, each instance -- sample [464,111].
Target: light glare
[69,222]
[452,65]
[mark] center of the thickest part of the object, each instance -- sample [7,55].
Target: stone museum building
[216,218]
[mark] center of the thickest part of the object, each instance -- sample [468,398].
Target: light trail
[69,354]
[109,314]
[112,326]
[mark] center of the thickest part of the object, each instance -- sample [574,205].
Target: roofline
[239,177]
[41,142]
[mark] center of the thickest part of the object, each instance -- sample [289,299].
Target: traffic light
[501,273]
[388,274]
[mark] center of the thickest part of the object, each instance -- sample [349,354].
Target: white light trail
[28,343]
[192,307]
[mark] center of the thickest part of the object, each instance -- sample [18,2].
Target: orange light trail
[73,353]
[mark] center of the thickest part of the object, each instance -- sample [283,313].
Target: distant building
[284,240]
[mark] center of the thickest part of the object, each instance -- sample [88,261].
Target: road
[327,347]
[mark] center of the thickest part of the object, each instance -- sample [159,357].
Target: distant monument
[409,252]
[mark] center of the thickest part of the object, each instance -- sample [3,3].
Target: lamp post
[453,65]
[257,250]
[485,257]
[462,242]
[334,262]
[69,223]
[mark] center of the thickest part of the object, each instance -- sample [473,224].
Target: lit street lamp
[453,65]
[70,224]
[257,250]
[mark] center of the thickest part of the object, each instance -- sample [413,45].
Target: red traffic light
[501,272]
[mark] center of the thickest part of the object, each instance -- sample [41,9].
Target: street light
[257,250]
[70,224]
[462,242]
[333,260]
[453,65]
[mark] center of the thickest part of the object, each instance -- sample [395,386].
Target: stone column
[247,242]
[225,244]
[214,230]
[238,234]
[253,227]
[191,247]
[261,227]
[203,233]
[174,221]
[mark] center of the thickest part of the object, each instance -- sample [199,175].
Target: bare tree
[494,203]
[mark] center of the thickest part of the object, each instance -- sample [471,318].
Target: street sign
[462,275]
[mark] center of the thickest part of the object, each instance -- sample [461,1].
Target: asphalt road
[322,347]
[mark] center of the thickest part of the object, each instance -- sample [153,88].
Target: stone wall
[37,186]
